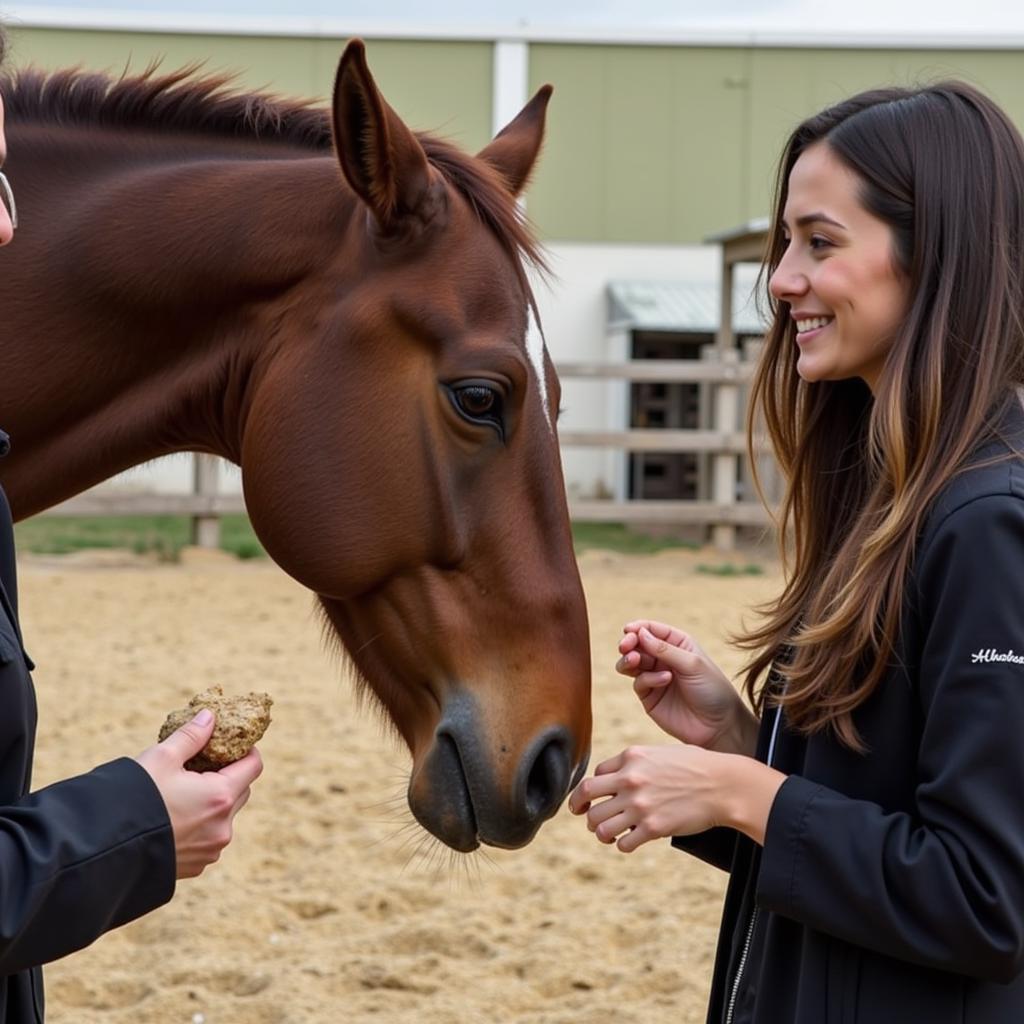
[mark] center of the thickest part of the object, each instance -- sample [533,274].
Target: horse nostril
[548,776]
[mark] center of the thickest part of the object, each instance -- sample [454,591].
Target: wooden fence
[725,377]
[204,505]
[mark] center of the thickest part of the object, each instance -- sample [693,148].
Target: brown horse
[339,306]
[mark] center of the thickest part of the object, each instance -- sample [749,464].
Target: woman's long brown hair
[944,167]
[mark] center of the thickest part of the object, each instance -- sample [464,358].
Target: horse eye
[480,403]
[476,401]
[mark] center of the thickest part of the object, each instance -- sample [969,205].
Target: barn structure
[659,144]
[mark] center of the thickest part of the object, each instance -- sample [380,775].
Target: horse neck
[173,260]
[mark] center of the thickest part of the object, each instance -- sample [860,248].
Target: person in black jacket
[93,852]
[868,801]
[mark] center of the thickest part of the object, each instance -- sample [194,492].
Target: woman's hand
[683,690]
[648,793]
[201,806]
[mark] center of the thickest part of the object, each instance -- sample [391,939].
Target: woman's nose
[787,281]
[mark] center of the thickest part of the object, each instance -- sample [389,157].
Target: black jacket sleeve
[943,887]
[78,858]
[716,846]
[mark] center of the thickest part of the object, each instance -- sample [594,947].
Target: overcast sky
[993,17]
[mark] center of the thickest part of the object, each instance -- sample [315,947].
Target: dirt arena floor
[324,909]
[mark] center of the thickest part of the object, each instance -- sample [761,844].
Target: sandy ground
[324,909]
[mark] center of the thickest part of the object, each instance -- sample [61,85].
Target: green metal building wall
[435,85]
[671,144]
[646,144]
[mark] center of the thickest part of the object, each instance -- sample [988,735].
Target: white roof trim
[109,19]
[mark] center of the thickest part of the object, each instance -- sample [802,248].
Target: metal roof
[757,226]
[998,28]
[683,306]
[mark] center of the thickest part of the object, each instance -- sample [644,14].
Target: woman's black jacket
[77,858]
[890,889]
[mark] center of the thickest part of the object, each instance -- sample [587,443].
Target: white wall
[574,312]
[171,475]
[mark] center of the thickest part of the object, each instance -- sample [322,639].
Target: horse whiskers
[390,811]
[483,855]
[393,819]
[460,870]
[435,860]
[396,800]
[407,832]
[439,862]
[424,843]
[391,805]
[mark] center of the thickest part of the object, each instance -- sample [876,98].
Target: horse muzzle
[470,790]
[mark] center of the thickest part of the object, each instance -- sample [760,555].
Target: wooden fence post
[725,465]
[725,472]
[205,528]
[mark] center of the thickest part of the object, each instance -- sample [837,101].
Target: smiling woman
[868,810]
[839,276]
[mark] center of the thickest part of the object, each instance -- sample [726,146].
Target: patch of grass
[164,535]
[238,537]
[730,569]
[618,537]
[167,535]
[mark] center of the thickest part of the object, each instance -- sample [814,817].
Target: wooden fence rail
[669,513]
[120,503]
[204,506]
[665,371]
[648,440]
[722,375]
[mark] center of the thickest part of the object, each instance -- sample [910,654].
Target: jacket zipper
[730,1010]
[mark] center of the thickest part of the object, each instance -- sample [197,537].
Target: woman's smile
[810,327]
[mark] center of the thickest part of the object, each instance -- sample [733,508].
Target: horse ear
[380,157]
[513,151]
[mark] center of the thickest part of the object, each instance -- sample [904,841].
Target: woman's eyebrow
[814,218]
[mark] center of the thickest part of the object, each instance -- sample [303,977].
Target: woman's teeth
[813,324]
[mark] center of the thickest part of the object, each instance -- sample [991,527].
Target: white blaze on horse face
[535,350]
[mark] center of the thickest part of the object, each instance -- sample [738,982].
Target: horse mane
[210,104]
[179,101]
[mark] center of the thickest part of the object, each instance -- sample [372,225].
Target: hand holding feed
[240,722]
[201,806]
[683,690]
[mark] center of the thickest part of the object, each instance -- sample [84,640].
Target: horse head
[400,458]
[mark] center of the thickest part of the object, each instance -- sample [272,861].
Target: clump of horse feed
[241,722]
